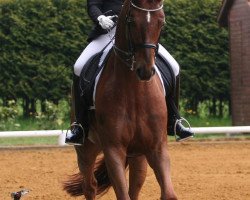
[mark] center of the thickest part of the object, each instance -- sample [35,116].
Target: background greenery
[41,39]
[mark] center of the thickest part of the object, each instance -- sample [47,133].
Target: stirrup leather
[180,120]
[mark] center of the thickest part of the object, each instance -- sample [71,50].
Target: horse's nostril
[139,72]
[144,74]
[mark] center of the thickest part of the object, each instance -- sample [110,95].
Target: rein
[128,57]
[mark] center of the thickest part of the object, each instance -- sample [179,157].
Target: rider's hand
[106,22]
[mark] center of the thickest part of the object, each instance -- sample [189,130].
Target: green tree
[40,40]
[200,46]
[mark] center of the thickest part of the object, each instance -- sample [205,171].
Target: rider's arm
[94,9]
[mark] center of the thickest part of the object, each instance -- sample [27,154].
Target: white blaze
[148,17]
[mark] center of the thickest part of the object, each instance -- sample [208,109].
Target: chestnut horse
[130,121]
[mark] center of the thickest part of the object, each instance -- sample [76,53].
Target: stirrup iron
[180,120]
[74,124]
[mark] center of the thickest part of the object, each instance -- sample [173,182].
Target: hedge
[41,39]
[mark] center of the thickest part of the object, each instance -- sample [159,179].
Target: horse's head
[141,22]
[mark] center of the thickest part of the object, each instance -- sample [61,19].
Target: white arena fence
[61,134]
[228,130]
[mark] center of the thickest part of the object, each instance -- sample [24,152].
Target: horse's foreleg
[137,175]
[86,156]
[160,162]
[115,159]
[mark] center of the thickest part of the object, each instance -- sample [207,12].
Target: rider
[99,38]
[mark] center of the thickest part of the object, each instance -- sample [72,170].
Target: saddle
[92,69]
[88,76]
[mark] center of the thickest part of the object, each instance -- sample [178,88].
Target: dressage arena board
[200,171]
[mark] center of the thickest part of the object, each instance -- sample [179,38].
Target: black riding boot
[175,126]
[78,129]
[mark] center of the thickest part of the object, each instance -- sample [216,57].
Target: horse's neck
[120,36]
[122,66]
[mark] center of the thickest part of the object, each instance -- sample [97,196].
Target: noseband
[129,56]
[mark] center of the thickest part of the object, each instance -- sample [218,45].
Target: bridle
[128,57]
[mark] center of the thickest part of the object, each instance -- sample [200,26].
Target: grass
[222,137]
[22,124]
[27,124]
[28,141]
[196,121]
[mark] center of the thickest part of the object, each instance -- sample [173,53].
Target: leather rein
[128,57]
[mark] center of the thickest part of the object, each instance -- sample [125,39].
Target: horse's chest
[135,114]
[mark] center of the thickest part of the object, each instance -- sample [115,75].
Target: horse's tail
[74,186]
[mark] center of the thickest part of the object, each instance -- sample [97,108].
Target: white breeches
[93,47]
[99,43]
[172,62]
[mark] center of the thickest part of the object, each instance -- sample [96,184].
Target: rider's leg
[174,119]
[174,123]
[93,47]
[170,59]
[80,126]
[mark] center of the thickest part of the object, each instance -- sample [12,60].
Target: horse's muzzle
[145,74]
